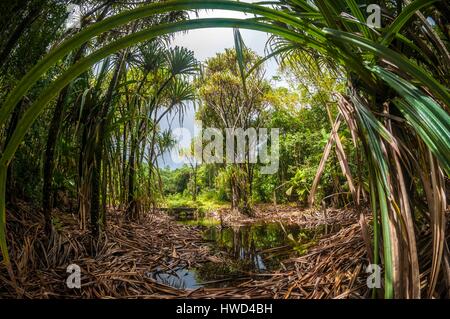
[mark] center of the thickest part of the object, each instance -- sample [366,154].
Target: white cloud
[74,17]
[207,42]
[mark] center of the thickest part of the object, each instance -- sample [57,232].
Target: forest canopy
[349,140]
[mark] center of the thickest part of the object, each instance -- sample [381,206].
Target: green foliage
[405,62]
[222,183]
[264,187]
[175,181]
[205,202]
[300,114]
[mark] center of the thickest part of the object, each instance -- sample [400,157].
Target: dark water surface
[248,249]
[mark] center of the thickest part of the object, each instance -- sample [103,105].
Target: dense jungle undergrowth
[349,169]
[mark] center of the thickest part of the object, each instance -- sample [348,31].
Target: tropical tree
[168,94]
[229,103]
[396,105]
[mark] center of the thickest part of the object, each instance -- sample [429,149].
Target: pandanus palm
[397,105]
[166,92]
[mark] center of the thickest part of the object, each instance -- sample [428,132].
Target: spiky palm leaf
[320,26]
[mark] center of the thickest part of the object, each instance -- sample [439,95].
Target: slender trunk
[15,36]
[132,208]
[83,188]
[104,196]
[52,138]
[100,135]
[194,193]
[95,195]
[245,185]
[112,187]
[9,132]
[234,192]
[123,192]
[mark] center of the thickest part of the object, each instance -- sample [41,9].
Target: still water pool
[248,249]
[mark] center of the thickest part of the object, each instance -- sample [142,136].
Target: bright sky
[206,43]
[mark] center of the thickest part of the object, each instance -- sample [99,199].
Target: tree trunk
[100,134]
[15,36]
[10,131]
[104,196]
[53,133]
[83,187]
[132,213]
[194,175]
[234,193]
[52,137]
[123,192]
[95,187]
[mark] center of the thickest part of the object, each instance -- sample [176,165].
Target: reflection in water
[250,248]
[180,278]
[246,243]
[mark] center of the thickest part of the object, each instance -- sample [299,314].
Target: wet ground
[243,251]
